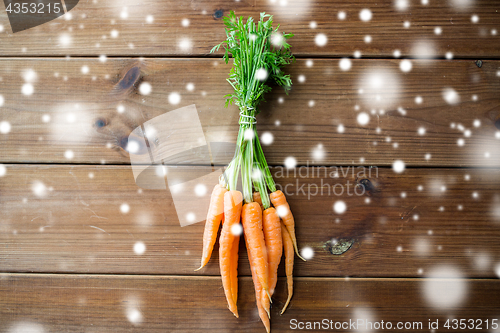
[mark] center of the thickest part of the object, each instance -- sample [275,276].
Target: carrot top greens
[259,53]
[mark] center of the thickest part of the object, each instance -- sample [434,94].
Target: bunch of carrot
[265,236]
[259,53]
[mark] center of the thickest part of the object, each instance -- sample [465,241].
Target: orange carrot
[258,199]
[234,268]
[289,256]
[251,218]
[271,226]
[279,201]
[232,211]
[258,295]
[272,235]
[214,217]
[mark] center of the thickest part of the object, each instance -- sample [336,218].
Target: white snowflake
[321,39]
[365,15]
[339,207]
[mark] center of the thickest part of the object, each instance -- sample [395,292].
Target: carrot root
[232,212]
[289,256]
[259,296]
[214,216]
[279,201]
[251,218]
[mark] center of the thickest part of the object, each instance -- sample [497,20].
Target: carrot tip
[300,256]
[268,295]
[286,305]
[198,268]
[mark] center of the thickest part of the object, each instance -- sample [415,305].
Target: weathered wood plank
[122,28]
[58,219]
[72,111]
[106,303]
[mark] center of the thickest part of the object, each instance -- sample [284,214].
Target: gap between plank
[217,277]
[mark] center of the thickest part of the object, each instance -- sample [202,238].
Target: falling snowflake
[134,316]
[398,166]
[282,211]
[365,15]
[124,208]
[267,138]
[451,96]
[149,19]
[39,189]
[438,30]
[341,15]
[3,170]
[139,248]
[320,39]
[340,128]
[339,207]
[236,229]
[185,44]
[474,19]
[27,89]
[345,64]
[124,13]
[290,162]
[277,39]
[174,98]
[401,4]
[421,131]
[363,118]
[249,134]
[318,153]
[200,190]
[64,39]
[419,100]
[313,25]
[405,65]
[261,74]
[444,287]
[114,33]
[185,22]
[145,88]
[396,53]
[4,127]
[68,154]
[424,49]
[368,39]
[307,253]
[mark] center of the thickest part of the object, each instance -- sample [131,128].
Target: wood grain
[80,112]
[108,303]
[88,29]
[55,218]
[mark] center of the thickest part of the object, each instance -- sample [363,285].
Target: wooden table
[418,246]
